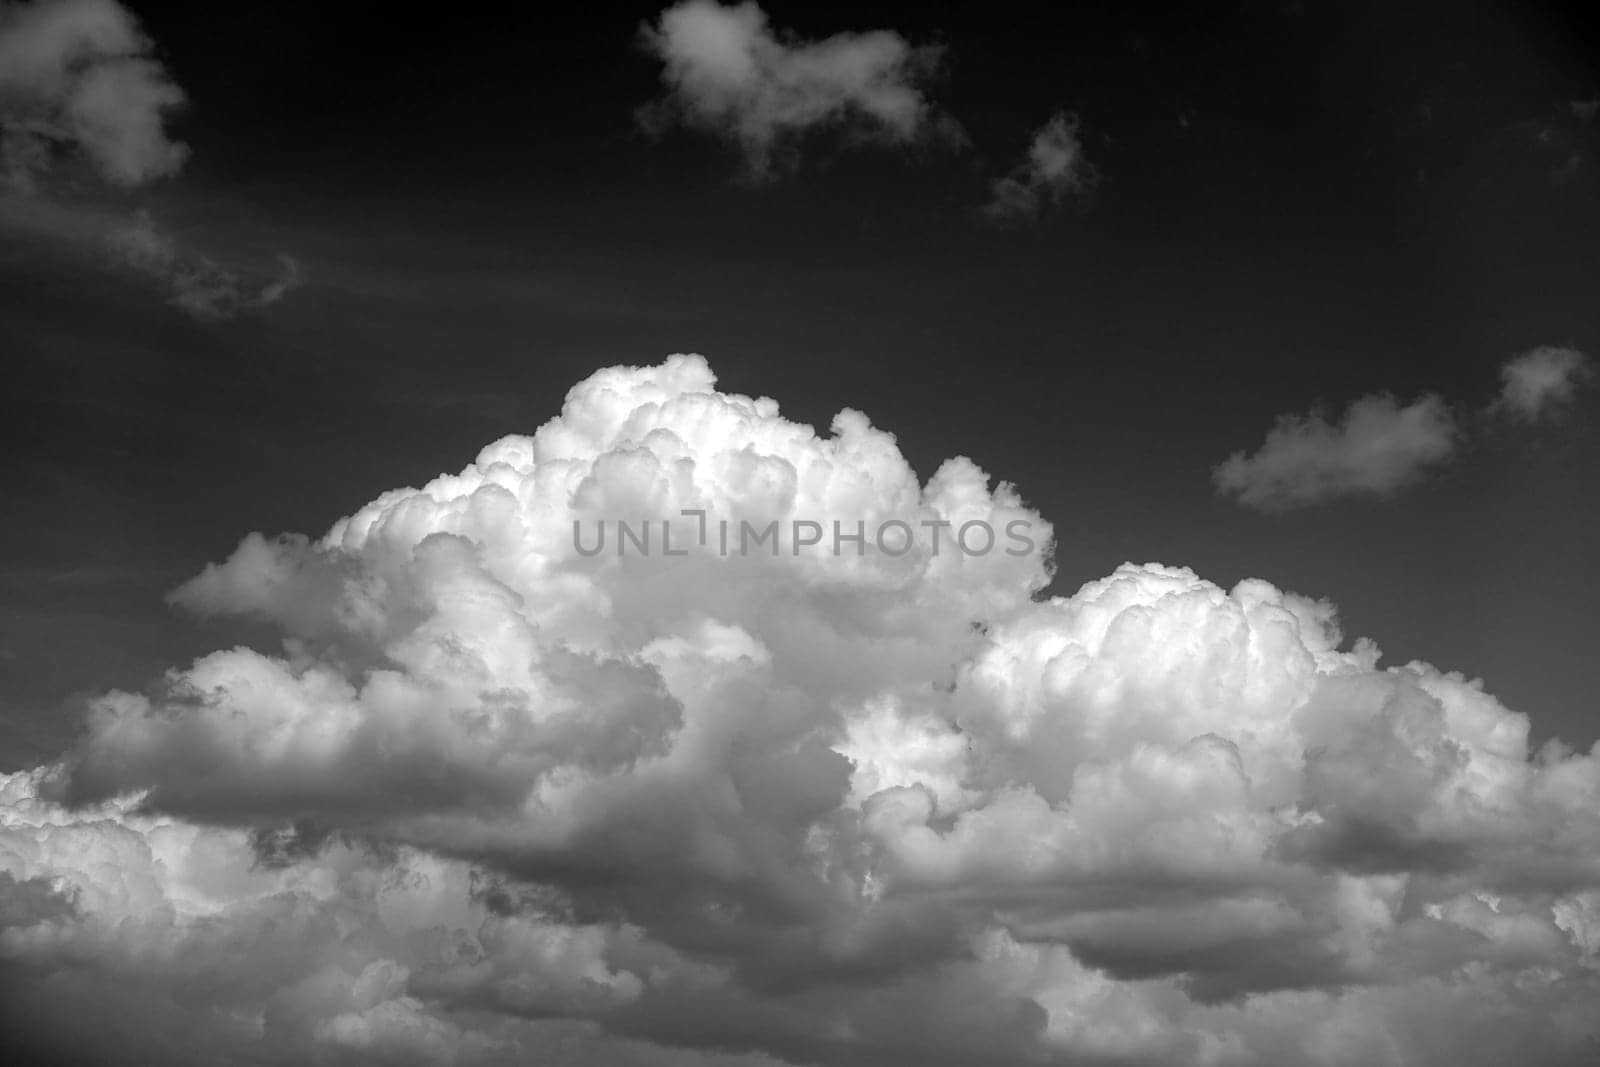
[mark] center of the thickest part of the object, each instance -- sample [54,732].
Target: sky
[1299,296]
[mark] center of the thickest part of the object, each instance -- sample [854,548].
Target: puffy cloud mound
[1054,169]
[79,74]
[727,73]
[499,795]
[1376,449]
[1541,381]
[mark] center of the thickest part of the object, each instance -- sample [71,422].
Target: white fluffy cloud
[80,75]
[1378,447]
[1541,381]
[495,796]
[1054,169]
[728,73]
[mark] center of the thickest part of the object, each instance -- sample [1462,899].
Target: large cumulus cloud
[496,794]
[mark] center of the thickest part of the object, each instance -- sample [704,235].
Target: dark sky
[1297,204]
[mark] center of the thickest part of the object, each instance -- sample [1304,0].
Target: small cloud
[79,78]
[79,75]
[727,73]
[1054,169]
[1584,110]
[1562,143]
[198,285]
[1376,449]
[1540,381]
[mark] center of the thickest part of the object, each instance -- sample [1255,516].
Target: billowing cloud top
[501,793]
[728,73]
[80,74]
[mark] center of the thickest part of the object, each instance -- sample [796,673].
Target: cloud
[79,75]
[727,73]
[1541,381]
[1380,448]
[1561,142]
[198,285]
[494,797]
[1376,449]
[1054,169]
[194,283]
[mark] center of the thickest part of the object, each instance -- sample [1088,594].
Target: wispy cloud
[1055,168]
[1377,448]
[198,285]
[193,282]
[729,74]
[1563,141]
[78,79]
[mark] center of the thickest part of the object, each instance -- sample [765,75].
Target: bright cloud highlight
[493,798]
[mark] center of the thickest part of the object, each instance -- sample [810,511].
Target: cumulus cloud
[1541,381]
[496,797]
[728,73]
[1377,448]
[1054,169]
[80,76]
